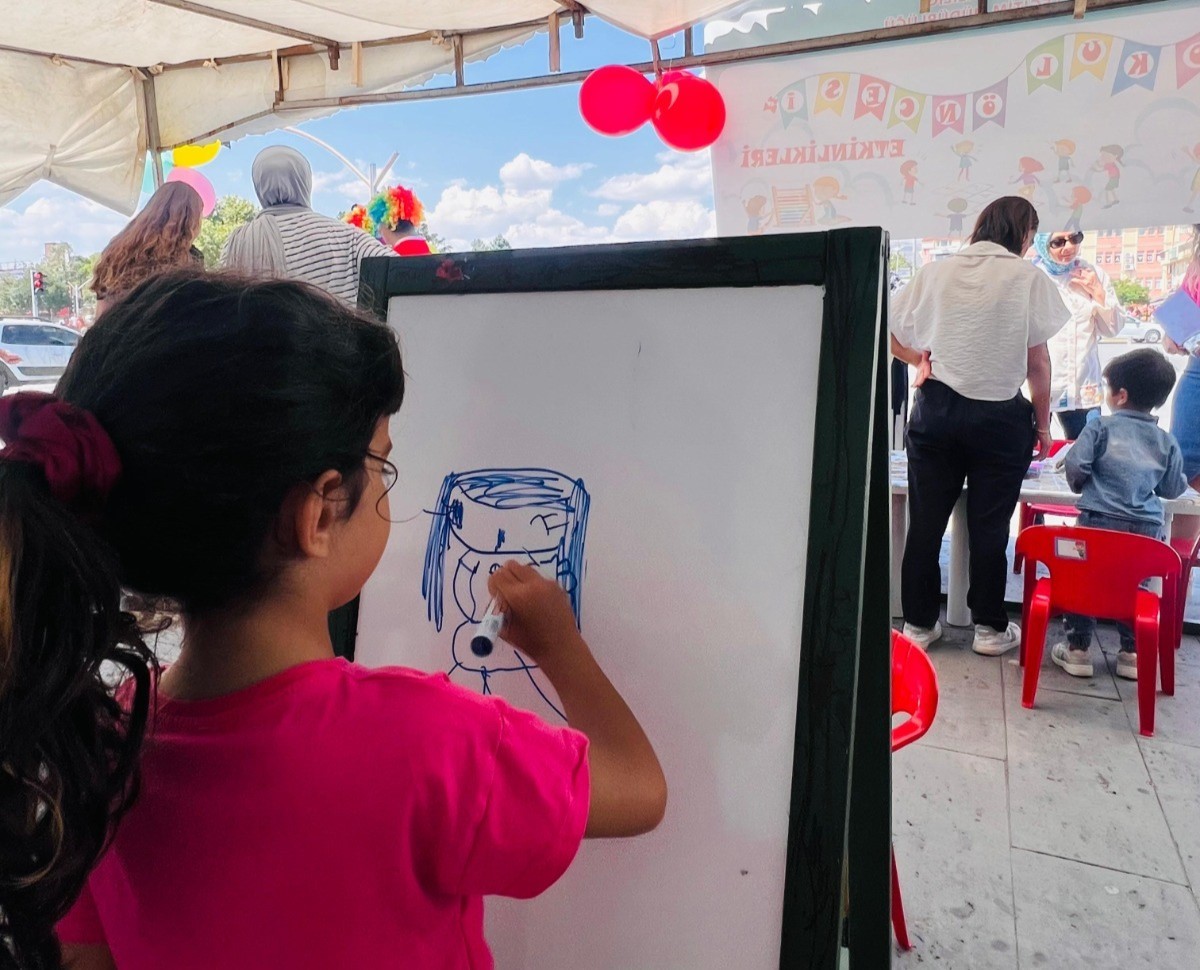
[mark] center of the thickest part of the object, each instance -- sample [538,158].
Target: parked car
[1140,331]
[33,352]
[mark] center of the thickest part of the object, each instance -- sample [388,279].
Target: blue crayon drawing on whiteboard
[482,519]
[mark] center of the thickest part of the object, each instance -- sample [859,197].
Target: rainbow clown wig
[357,216]
[394,206]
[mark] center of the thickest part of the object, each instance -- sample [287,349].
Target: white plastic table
[1047,486]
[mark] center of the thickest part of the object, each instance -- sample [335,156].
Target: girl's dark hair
[221,395]
[1007,221]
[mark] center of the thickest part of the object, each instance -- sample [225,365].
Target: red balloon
[689,112]
[616,100]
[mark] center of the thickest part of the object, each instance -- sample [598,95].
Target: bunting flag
[990,105]
[1091,55]
[907,108]
[793,103]
[949,113]
[831,93]
[1044,65]
[1138,67]
[872,96]
[1187,60]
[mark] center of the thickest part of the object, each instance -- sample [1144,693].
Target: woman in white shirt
[975,325]
[1076,388]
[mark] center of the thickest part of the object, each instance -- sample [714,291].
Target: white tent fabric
[86,82]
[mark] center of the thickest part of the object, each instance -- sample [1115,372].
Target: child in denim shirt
[1122,465]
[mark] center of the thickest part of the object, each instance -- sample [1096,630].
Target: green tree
[14,294]
[437,243]
[898,261]
[497,244]
[230,212]
[65,276]
[1131,291]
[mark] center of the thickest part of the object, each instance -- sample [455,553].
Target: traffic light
[39,285]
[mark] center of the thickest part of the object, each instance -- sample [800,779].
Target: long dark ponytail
[220,395]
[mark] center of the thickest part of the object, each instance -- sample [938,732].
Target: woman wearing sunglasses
[1076,389]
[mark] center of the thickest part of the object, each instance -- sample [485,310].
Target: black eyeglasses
[1074,239]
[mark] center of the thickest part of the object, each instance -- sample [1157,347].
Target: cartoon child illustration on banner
[1109,163]
[957,207]
[756,201]
[908,172]
[1080,196]
[965,159]
[1027,176]
[825,190]
[1064,148]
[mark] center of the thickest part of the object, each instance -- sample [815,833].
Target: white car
[1139,331]
[33,352]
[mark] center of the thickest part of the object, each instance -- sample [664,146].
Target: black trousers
[1073,422]
[951,440]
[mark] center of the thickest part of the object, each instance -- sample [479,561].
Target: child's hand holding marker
[628,789]
[536,612]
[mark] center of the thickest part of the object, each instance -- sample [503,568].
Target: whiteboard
[686,418]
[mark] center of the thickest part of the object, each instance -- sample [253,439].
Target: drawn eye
[493,568]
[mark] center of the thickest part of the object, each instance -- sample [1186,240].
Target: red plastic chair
[1031,510]
[1097,572]
[915,693]
[1189,553]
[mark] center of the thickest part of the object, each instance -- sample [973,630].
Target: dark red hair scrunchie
[76,454]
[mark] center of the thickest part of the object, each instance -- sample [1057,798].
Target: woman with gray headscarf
[287,239]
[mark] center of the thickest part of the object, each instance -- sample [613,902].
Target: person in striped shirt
[287,239]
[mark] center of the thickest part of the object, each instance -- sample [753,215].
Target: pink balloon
[689,112]
[197,181]
[615,100]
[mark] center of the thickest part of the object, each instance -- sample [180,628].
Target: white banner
[1096,121]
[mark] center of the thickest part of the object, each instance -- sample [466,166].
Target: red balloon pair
[687,111]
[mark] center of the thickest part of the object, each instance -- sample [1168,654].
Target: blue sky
[522,164]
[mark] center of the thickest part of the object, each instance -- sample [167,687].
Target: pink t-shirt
[334,816]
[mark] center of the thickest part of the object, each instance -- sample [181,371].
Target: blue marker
[488,631]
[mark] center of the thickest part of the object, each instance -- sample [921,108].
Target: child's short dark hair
[1145,375]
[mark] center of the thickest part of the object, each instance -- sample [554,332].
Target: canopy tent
[91,85]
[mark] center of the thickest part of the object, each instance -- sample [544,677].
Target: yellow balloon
[193,156]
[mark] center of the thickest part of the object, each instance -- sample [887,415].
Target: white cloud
[342,184]
[522,207]
[666,219]
[678,177]
[524,172]
[56,215]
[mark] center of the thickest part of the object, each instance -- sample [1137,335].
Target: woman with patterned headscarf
[1076,389]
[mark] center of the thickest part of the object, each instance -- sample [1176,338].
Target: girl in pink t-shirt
[222,445]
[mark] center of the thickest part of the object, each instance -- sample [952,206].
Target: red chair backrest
[914,690]
[1057,446]
[1096,571]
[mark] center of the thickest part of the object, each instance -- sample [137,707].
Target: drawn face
[957,206]
[481,520]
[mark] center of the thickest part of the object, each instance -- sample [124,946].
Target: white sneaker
[923,636]
[1077,663]
[991,643]
[1127,665]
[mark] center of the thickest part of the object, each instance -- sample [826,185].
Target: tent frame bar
[1059,8]
[331,45]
